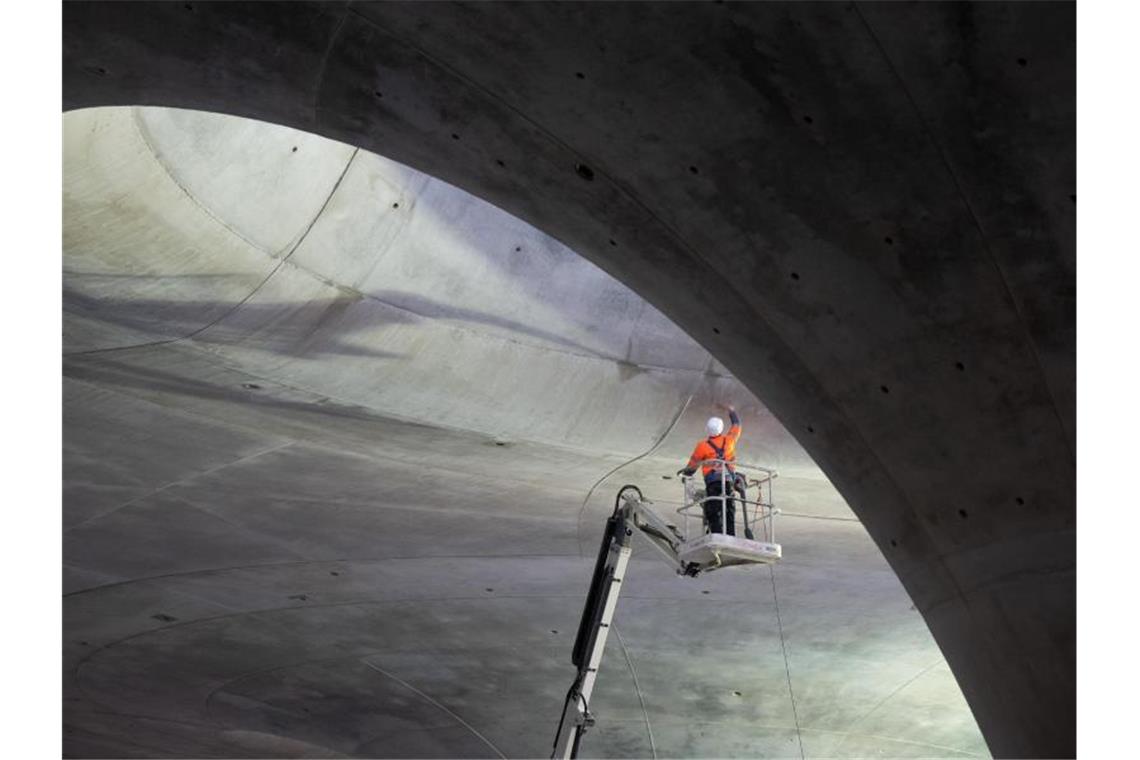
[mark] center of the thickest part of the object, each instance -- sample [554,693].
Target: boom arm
[630,511]
[705,553]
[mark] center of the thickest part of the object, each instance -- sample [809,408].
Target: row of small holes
[586,173]
[964,515]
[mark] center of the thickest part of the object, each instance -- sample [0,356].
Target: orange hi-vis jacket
[726,442]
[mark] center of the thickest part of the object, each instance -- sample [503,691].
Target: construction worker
[720,480]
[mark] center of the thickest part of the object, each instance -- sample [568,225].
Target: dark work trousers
[712,507]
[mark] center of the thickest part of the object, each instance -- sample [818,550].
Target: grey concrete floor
[295,525]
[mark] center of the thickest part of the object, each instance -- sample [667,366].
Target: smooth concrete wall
[349,275]
[878,199]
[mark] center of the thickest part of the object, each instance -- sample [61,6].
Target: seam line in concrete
[258,287]
[413,689]
[647,452]
[156,154]
[848,733]
[287,256]
[637,688]
[787,668]
[320,80]
[173,483]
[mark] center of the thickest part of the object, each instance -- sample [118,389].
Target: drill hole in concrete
[378,94]
[704,591]
[518,249]
[962,514]
[808,120]
[961,367]
[579,74]
[694,170]
[395,205]
[666,477]
[716,330]
[164,618]
[554,632]
[810,429]
[454,136]
[737,694]
[1020,501]
[888,241]
[1022,62]
[489,590]
[795,275]
[294,149]
[499,161]
[613,243]
[251,386]
[884,389]
[333,572]
[584,172]
[894,542]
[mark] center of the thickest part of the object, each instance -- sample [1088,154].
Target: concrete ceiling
[865,212]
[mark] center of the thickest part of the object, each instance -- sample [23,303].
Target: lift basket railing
[747,486]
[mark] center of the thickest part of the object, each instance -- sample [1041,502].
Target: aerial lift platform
[692,553]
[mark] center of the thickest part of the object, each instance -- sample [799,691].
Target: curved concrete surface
[260,563]
[879,198]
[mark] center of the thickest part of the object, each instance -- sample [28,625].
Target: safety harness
[719,451]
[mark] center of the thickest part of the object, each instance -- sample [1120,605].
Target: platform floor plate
[718,550]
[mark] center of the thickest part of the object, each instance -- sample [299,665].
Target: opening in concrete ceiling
[448,401]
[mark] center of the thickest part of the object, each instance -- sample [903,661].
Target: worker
[720,479]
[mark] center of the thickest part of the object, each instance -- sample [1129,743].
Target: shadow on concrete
[303,328]
[110,373]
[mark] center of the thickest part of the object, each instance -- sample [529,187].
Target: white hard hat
[715,425]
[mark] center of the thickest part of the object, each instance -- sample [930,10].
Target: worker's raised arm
[734,418]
